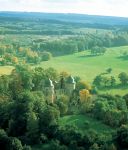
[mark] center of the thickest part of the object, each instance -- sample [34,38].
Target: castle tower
[70,85]
[62,83]
[59,88]
[49,91]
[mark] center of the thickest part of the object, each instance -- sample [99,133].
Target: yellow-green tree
[84,95]
[85,99]
[15,60]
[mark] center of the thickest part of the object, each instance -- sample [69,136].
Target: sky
[92,7]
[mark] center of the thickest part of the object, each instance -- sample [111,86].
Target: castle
[54,90]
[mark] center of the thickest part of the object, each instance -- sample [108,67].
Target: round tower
[70,85]
[49,91]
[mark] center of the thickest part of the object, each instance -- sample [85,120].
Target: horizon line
[15,11]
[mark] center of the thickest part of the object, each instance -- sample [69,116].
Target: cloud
[98,7]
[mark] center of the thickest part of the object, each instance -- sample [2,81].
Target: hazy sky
[97,7]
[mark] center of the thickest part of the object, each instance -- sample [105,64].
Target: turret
[49,90]
[70,85]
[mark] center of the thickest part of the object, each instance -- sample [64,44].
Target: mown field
[84,123]
[87,67]
[5,70]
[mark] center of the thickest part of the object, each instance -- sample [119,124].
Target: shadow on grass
[88,56]
[124,58]
[116,87]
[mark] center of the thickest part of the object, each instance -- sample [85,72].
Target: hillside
[63,75]
[87,67]
[68,17]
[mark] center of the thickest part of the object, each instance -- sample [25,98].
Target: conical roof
[70,80]
[48,83]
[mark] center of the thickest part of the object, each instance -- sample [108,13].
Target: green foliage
[25,74]
[26,147]
[26,108]
[32,127]
[81,121]
[49,117]
[123,78]
[4,84]
[63,108]
[101,81]
[29,118]
[109,70]
[5,105]
[98,50]
[55,145]
[82,85]
[15,144]
[97,81]
[112,110]
[31,56]
[4,140]
[64,99]
[126,98]
[45,56]
[122,137]
[52,73]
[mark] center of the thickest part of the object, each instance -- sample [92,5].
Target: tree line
[102,81]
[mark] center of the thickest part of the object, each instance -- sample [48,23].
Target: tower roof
[48,83]
[70,80]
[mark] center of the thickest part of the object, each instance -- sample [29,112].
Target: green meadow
[87,67]
[5,70]
[84,123]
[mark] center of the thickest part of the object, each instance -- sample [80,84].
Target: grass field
[5,70]
[87,67]
[79,121]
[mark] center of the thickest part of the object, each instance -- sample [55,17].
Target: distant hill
[69,18]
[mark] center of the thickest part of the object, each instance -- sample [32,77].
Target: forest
[62,71]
